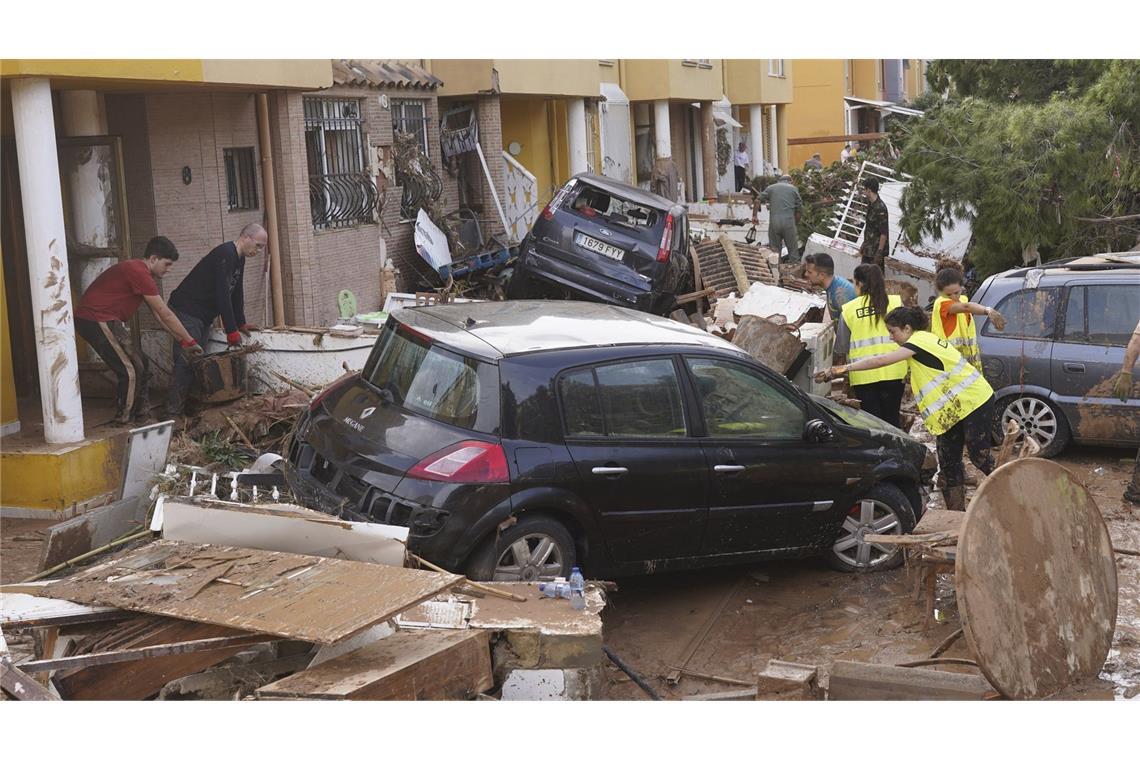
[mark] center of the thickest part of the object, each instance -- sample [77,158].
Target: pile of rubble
[219,599]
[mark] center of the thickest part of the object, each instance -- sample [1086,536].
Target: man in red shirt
[113,299]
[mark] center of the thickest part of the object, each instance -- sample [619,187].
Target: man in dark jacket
[214,287]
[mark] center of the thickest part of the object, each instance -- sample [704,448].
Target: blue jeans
[183,372]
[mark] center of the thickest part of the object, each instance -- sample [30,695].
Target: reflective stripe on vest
[964,337]
[869,337]
[946,397]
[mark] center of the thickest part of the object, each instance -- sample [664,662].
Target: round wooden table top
[1036,580]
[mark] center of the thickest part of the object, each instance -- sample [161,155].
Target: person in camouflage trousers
[876,232]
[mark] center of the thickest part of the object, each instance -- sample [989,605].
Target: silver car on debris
[1067,325]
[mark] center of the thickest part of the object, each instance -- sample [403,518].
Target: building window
[775,67]
[241,178]
[341,192]
[410,116]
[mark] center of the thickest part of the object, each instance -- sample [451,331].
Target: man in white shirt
[741,161]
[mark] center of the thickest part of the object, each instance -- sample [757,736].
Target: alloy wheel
[867,517]
[533,557]
[1035,418]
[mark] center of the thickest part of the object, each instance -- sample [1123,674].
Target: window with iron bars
[241,178]
[410,117]
[341,192]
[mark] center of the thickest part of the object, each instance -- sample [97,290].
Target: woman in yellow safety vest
[955,401]
[861,334]
[951,320]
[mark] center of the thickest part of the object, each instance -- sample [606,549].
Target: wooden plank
[94,528]
[141,679]
[1036,580]
[316,599]
[913,539]
[869,681]
[408,665]
[864,137]
[940,520]
[788,681]
[27,611]
[722,696]
[738,272]
[21,687]
[695,296]
[143,653]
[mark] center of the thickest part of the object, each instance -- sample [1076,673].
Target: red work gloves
[234,338]
[191,347]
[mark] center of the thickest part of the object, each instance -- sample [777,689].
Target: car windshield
[594,203]
[423,377]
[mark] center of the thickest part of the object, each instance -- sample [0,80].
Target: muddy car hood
[872,424]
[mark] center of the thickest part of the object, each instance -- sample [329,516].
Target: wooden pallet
[717,271]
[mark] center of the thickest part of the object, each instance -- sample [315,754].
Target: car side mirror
[818,431]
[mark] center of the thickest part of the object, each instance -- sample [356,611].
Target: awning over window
[383,74]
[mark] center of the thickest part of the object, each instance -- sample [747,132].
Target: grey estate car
[1067,324]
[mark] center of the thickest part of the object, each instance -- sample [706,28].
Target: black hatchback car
[516,439]
[604,241]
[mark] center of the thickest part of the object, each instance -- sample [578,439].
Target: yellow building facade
[52,462]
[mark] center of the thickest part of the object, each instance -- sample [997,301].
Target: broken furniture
[408,665]
[1036,580]
[314,599]
[931,547]
[730,267]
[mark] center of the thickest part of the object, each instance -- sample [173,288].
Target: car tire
[1046,423]
[883,509]
[497,559]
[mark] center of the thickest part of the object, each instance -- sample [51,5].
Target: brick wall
[294,217]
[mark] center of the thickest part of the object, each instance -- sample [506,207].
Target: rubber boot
[955,498]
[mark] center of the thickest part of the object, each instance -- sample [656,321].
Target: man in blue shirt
[819,270]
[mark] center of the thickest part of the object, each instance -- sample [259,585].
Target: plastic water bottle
[577,589]
[558,589]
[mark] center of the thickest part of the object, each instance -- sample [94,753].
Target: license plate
[598,246]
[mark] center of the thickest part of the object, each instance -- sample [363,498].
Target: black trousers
[973,433]
[112,342]
[881,399]
[741,178]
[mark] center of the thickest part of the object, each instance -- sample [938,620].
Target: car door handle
[728,468]
[609,470]
[1074,367]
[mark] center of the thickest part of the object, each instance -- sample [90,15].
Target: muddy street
[802,611]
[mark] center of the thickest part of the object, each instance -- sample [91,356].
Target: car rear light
[666,240]
[465,462]
[556,201]
[329,389]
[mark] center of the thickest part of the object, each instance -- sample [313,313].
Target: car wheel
[1038,419]
[536,548]
[883,510]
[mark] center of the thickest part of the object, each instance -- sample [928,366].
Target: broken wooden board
[20,686]
[1036,580]
[28,611]
[913,539]
[314,599]
[717,272]
[272,528]
[869,681]
[143,678]
[408,665]
[788,681]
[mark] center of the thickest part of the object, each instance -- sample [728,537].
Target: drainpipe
[270,187]
[756,134]
[708,150]
[773,144]
[576,134]
[47,260]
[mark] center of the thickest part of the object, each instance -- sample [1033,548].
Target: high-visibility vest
[945,396]
[963,337]
[869,337]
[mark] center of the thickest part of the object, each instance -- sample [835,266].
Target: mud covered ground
[804,612]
